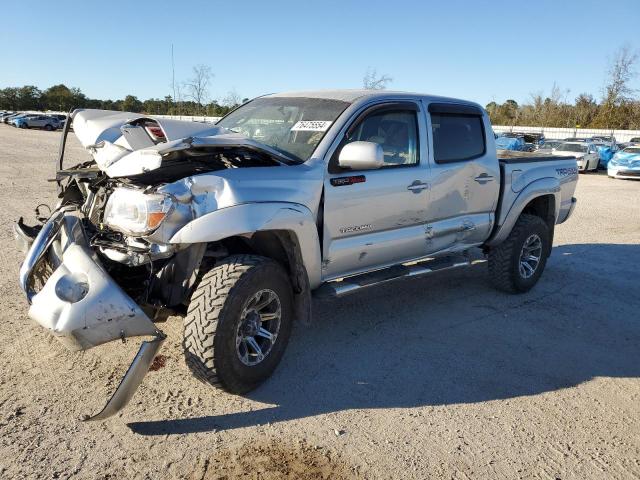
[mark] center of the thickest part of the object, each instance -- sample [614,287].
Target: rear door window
[457,137]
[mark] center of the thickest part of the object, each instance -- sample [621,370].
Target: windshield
[632,150]
[292,125]
[572,147]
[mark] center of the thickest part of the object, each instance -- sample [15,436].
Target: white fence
[560,133]
[190,118]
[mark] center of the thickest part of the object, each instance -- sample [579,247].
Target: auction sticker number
[311,126]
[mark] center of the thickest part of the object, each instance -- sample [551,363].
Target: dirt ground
[439,377]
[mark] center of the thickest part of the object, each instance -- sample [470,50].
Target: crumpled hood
[625,159]
[104,134]
[93,126]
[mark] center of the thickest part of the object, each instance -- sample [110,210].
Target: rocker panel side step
[344,286]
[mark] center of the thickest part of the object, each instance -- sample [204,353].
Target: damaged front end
[72,295]
[103,266]
[89,283]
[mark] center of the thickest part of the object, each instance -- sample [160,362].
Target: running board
[344,286]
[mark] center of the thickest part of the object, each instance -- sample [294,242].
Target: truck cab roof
[354,95]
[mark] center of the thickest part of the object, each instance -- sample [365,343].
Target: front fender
[249,218]
[537,188]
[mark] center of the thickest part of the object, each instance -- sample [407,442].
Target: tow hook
[132,379]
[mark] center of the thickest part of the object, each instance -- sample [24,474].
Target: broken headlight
[134,212]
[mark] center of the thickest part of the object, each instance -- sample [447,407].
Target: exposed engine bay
[155,274]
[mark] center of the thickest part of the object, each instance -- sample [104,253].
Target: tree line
[617,109]
[62,98]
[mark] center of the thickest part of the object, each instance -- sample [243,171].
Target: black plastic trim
[455,109]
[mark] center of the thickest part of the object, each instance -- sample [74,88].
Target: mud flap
[132,379]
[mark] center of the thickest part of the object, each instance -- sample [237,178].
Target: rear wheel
[48,127]
[238,323]
[516,265]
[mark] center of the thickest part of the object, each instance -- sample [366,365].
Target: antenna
[173,75]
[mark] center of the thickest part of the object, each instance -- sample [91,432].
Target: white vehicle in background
[550,146]
[586,154]
[625,163]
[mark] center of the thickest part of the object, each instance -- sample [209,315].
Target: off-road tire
[214,313]
[504,260]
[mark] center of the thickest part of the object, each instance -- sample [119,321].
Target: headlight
[134,212]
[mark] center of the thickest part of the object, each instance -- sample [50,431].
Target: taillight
[156,132]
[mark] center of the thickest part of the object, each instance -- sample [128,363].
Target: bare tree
[373,81]
[198,86]
[231,99]
[617,92]
[621,71]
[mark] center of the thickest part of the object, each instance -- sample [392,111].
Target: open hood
[126,144]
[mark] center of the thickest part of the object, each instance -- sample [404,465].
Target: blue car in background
[625,163]
[510,143]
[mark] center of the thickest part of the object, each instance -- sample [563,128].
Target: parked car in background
[20,120]
[625,163]
[45,122]
[505,142]
[6,115]
[531,141]
[605,140]
[632,142]
[586,154]
[550,145]
[7,118]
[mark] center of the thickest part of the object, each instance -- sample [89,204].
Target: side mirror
[361,156]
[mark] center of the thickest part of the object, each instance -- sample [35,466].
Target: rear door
[374,218]
[465,177]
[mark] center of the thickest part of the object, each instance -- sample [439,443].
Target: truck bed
[510,156]
[551,172]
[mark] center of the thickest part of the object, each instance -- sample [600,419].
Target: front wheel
[517,263]
[48,127]
[238,323]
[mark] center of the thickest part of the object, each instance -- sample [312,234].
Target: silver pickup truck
[233,226]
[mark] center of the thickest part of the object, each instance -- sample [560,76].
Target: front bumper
[80,304]
[622,172]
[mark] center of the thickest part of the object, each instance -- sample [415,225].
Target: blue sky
[479,50]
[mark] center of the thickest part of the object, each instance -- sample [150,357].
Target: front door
[374,218]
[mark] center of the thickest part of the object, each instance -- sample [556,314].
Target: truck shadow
[451,339]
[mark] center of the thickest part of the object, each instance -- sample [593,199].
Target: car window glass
[395,131]
[457,137]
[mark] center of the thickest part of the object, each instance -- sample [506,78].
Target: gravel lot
[439,377]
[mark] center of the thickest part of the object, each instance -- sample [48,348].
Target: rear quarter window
[457,137]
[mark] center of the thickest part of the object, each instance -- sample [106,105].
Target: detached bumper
[80,304]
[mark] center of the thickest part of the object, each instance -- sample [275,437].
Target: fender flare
[248,218]
[537,188]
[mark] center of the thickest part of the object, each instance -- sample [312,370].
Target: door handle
[417,186]
[483,178]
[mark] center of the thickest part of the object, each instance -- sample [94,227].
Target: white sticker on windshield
[311,126]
